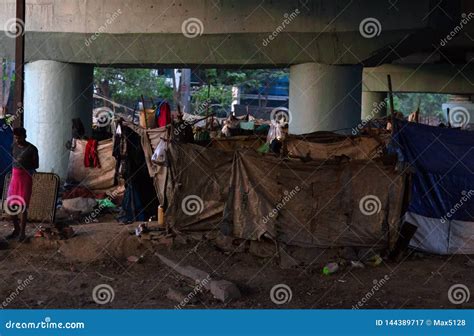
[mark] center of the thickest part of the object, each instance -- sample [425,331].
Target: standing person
[25,163]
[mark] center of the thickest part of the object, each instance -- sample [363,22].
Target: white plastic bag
[159,156]
[274,131]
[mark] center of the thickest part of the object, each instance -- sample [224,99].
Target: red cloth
[19,190]
[164,118]
[91,156]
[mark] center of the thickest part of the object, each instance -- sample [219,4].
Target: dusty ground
[63,274]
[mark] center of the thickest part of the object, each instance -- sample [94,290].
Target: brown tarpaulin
[247,194]
[238,142]
[92,178]
[357,148]
[304,204]
[313,204]
[198,180]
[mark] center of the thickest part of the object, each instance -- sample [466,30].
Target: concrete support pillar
[374,105]
[185,89]
[324,97]
[55,93]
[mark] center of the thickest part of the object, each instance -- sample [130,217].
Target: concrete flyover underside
[237,49]
[227,32]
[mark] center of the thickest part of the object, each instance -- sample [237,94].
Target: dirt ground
[63,274]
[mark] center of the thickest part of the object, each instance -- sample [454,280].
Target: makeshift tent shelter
[442,194]
[236,191]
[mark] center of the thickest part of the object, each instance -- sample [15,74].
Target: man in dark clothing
[25,162]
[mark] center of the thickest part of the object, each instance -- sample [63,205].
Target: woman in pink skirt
[25,162]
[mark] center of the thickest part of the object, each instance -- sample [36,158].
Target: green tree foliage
[221,82]
[218,94]
[126,86]
[430,103]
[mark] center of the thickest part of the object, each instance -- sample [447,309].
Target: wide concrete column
[55,93]
[374,105]
[324,97]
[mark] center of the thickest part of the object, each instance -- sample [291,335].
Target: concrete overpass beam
[374,105]
[55,93]
[324,97]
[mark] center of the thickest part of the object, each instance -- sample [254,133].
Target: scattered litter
[105,277]
[135,259]
[142,228]
[105,203]
[357,264]
[80,204]
[330,268]
[224,290]
[375,260]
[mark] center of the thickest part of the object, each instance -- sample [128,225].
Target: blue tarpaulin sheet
[443,159]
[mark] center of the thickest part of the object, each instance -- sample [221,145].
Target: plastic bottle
[161,217]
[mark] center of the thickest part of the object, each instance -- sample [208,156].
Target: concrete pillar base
[55,93]
[324,98]
[374,105]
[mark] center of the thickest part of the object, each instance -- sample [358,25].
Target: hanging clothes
[91,156]
[164,118]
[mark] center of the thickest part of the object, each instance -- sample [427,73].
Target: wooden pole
[19,62]
[392,108]
[207,103]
